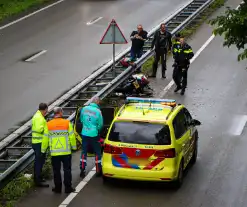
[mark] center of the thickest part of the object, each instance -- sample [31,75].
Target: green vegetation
[20,186]
[12,7]
[15,190]
[233,25]
[188,31]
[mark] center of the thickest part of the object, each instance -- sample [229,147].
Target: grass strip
[9,8]
[187,32]
[21,186]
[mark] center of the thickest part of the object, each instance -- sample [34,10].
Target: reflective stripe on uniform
[83,160]
[37,132]
[188,51]
[37,138]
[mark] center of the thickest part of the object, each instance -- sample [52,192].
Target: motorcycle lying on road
[136,85]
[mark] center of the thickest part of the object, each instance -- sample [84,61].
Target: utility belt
[181,65]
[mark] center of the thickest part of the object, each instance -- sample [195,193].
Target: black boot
[182,92]
[83,173]
[69,190]
[177,89]
[99,174]
[56,190]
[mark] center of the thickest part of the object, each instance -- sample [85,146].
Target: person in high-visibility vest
[61,139]
[92,123]
[39,126]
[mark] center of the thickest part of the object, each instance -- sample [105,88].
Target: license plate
[136,84]
[142,162]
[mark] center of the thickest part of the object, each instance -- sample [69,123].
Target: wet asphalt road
[217,96]
[73,50]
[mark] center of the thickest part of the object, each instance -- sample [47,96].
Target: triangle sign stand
[113,35]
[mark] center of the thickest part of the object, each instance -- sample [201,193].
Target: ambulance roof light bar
[169,102]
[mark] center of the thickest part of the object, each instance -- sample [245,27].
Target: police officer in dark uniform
[182,53]
[163,43]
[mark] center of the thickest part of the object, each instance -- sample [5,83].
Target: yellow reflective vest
[39,126]
[60,137]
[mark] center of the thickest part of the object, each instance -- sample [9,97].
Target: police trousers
[160,55]
[180,74]
[56,165]
[39,161]
[95,144]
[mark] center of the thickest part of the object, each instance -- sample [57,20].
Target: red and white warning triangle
[108,37]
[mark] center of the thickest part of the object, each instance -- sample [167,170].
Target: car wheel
[194,156]
[179,181]
[106,180]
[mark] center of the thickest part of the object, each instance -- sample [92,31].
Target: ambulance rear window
[140,133]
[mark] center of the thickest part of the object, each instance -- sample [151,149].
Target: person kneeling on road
[182,53]
[61,139]
[92,123]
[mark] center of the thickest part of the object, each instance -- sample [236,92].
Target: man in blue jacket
[92,123]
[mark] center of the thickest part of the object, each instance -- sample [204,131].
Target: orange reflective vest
[60,137]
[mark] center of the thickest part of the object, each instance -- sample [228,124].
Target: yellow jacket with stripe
[59,137]
[39,126]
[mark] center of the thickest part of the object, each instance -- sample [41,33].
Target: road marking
[79,187]
[31,14]
[94,20]
[69,198]
[239,123]
[168,87]
[36,55]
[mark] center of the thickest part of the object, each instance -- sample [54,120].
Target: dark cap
[43,106]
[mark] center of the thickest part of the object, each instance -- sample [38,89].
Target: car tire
[194,156]
[106,180]
[179,180]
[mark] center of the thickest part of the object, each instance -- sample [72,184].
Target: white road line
[31,14]
[79,187]
[36,55]
[239,123]
[94,21]
[167,88]
[69,198]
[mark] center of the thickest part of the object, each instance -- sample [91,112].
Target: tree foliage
[233,26]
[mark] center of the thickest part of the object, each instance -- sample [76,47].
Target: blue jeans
[136,53]
[95,143]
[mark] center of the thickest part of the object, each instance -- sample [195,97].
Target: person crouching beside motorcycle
[182,53]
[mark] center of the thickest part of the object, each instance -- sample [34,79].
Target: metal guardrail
[15,150]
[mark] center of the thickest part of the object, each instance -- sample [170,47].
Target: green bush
[15,190]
